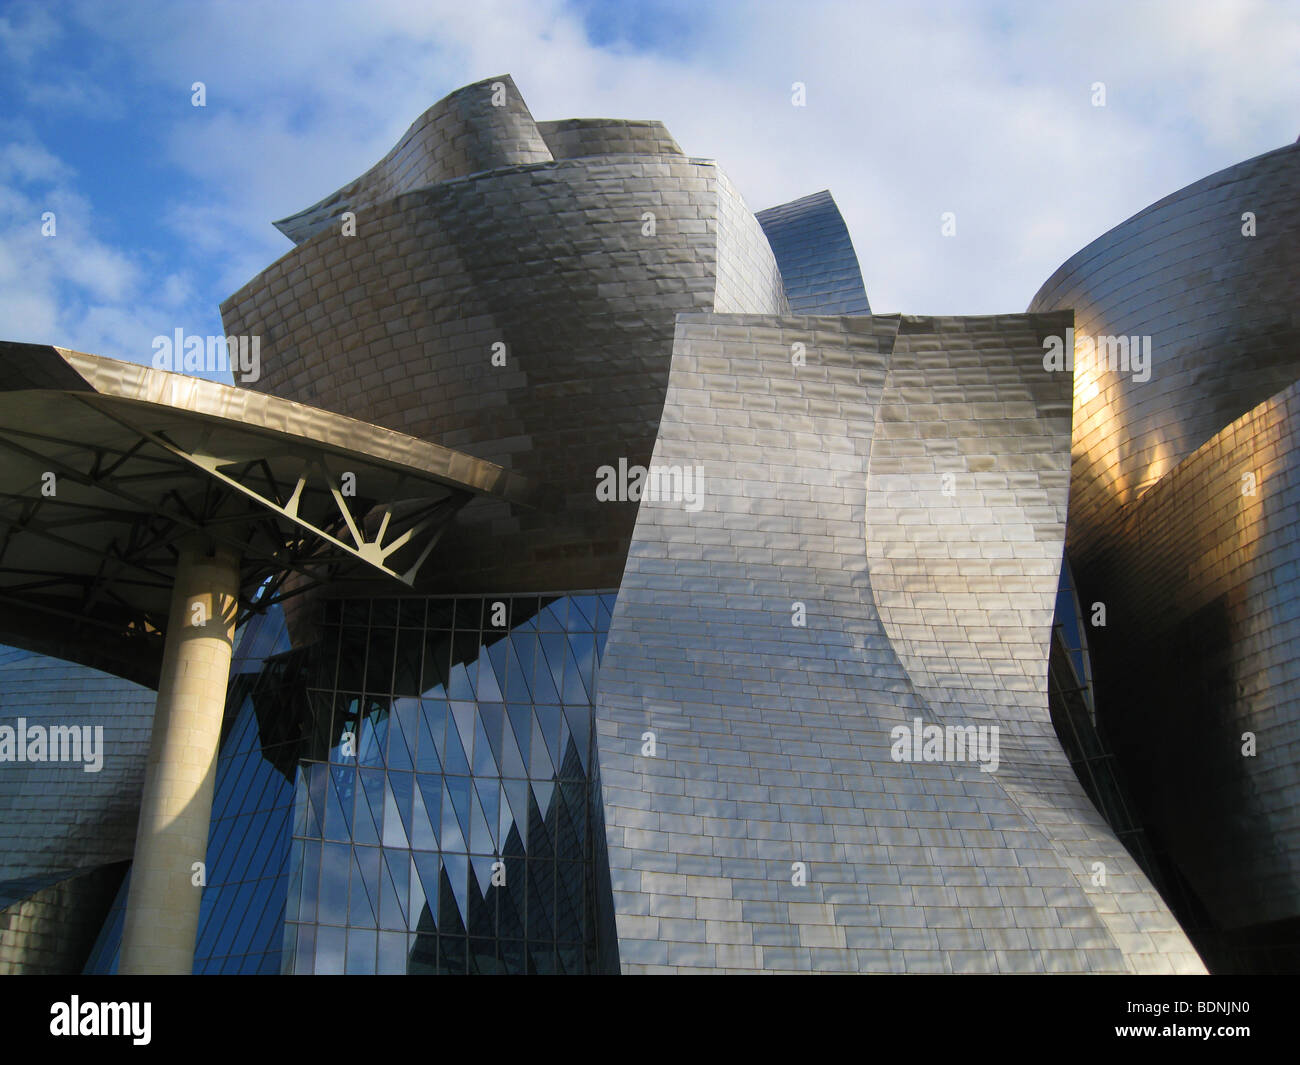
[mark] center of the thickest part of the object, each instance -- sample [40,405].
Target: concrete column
[162,909]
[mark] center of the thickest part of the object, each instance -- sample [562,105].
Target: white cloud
[26,31]
[29,161]
[74,94]
[73,288]
[912,110]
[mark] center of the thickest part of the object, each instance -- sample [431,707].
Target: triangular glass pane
[492,717]
[460,789]
[520,718]
[540,766]
[498,654]
[461,685]
[345,729]
[544,689]
[437,660]
[403,785]
[238,740]
[516,796]
[451,836]
[482,864]
[560,763]
[301,805]
[523,649]
[605,615]
[482,913]
[395,872]
[486,688]
[454,761]
[423,835]
[544,790]
[464,713]
[489,796]
[403,729]
[426,872]
[551,619]
[571,766]
[513,845]
[480,837]
[539,835]
[464,651]
[433,731]
[484,763]
[406,670]
[394,821]
[317,789]
[510,759]
[582,651]
[363,910]
[579,718]
[551,720]
[367,825]
[554,652]
[372,738]
[582,612]
[456,872]
[431,790]
[338,804]
[504,816]
[574,689]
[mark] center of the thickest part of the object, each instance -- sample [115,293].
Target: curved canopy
[105,465]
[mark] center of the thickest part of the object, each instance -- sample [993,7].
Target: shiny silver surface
[815,253]
[909,487]
[480,127]
[825,490]
[553,262]
[1182,523]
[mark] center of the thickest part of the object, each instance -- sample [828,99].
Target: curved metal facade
[1182,528]
[823,733]
[1220,309]
[815,253]
[773,740]
[558,263]
[1205,650]
[935,598]
[65,834]
[573,138]
[483,126]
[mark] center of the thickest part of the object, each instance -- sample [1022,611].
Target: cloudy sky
[912,109]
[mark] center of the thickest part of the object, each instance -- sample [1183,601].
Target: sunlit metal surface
[1182,529]
[104,473]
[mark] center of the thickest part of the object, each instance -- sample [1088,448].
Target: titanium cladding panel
[1182,518]
[773,741]
[555,262]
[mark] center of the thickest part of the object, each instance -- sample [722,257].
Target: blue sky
[913,109]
